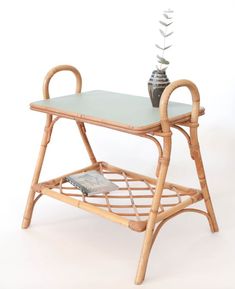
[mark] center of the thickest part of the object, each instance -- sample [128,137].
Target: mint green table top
[111,109]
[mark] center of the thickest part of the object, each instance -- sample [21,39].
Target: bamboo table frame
[157,214]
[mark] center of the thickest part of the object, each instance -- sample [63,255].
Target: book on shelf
[91,182]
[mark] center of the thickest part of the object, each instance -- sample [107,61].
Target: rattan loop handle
[59,68]
[165,99]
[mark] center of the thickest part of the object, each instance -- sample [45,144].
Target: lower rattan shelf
[130,205]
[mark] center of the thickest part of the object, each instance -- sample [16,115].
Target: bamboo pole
[192,210]
[195,148]
[90,152]
[166,134]
[179,207]
[53,71]
[46,138]
[194,143]
[186,136]
[159,147]
[202,178]
[30,202]
[85,206]
[145,252]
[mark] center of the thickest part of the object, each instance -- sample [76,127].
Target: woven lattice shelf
[131,201]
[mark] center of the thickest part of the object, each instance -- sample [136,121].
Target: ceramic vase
[156,85]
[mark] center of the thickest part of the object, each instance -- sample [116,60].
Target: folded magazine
[91,182]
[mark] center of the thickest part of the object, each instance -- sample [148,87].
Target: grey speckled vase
[156,85]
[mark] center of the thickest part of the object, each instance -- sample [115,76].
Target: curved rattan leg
[148,239]
[31,197]
[90,152]
[196,156]
[193,124]
[192,210]
[46,136]
[160,152]
[202,178]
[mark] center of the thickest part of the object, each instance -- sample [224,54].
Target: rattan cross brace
[146,203]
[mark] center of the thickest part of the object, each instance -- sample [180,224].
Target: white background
[112,43]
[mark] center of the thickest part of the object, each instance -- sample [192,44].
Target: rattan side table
[141,203]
